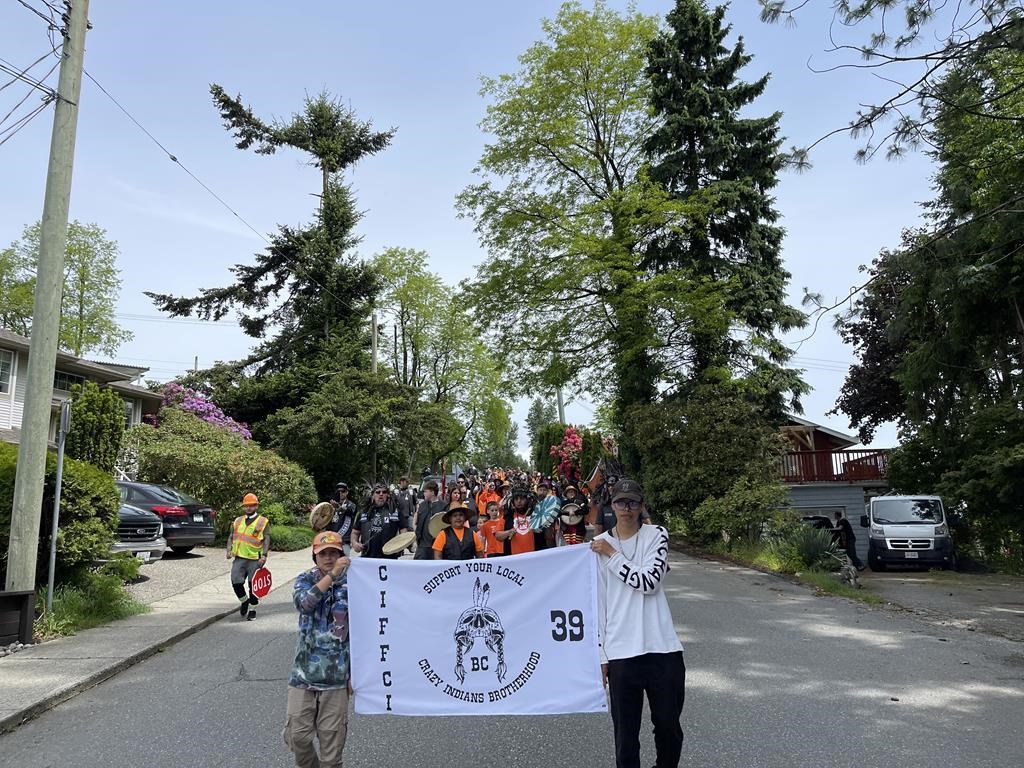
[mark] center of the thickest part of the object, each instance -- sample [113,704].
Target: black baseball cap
[627,489]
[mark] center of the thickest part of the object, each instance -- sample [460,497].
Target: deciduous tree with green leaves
[939,328]
[91,287]
[566,210]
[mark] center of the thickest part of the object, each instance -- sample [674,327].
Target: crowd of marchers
[500,512]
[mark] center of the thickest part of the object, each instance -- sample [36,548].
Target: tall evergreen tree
[704,152]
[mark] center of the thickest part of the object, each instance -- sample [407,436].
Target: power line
[22,75]
[185,320]
[298,266]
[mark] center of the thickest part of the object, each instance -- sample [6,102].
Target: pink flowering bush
[188,399]
[568,455]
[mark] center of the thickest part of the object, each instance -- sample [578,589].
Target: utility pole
[42,359]
[561,405]
[373,369]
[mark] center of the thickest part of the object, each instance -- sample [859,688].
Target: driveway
[989,603]
[173,574]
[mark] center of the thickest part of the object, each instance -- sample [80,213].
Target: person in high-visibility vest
[248,543]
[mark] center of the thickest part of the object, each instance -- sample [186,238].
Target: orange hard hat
[250,498]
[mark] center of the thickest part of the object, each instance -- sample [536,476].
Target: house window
[64,381]
[6,364]
[129,414]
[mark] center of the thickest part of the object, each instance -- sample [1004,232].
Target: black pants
[662,676]
[851,551]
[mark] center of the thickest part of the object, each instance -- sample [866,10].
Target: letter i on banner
[476,637]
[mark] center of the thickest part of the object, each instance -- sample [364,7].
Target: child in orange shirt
[493,524]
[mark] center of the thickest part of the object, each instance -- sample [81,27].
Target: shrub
[219,467]
[96,597]
[804,547]
[97,425]
[123,565]
[277,514]
[289,538]
[742,512]
[88,515]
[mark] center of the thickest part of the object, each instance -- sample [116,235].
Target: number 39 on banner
[568,626]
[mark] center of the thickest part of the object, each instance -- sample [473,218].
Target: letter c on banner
[386,677]
[382,573]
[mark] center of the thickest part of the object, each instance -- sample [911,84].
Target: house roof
[846,440]
[118,377]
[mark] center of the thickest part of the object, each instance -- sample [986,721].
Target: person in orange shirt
[457,542]
[519,537]
[488,529]
[487,495]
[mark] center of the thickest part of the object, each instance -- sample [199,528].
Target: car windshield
[907,511]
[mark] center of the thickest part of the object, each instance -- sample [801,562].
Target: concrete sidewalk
[40,677]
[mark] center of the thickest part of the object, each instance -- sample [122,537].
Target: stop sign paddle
[261,582]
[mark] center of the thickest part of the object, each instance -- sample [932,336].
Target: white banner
[500,636]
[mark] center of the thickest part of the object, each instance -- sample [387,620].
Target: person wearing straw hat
[248,544]
[640,650]
[457,541]
[318,686]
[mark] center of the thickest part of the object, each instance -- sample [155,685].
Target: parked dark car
[187,522]
[140,533]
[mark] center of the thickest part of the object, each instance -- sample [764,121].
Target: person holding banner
[318,686]
[457,542]
[640,651]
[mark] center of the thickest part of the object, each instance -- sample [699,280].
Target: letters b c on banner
[504,636]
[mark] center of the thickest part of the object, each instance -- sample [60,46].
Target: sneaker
[243,608]
[252,614]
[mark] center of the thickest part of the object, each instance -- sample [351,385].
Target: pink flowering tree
[567,454]
[191,401]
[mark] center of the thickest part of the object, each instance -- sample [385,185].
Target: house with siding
[825,473]
[71,370]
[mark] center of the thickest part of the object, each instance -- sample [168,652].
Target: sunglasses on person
[627,504]
[380,493]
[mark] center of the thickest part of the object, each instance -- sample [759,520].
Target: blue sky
[414,66]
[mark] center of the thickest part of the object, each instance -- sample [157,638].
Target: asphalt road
[777,677]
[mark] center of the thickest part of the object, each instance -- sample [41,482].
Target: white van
[908,530]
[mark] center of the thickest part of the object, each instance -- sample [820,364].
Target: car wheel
[876,565]
[182,550]
[950,565]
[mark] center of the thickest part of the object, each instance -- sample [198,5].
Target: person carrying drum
[344,515]
[378,522]
[457,541]
[430,506]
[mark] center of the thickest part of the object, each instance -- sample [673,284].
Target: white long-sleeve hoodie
[633,613]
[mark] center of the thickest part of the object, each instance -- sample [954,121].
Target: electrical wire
[6,66]
[295,264]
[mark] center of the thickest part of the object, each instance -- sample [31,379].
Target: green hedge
[88,515]
[289,538]
[217,467]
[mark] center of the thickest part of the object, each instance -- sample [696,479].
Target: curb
[11,722]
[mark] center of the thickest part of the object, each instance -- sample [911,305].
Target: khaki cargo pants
[323,714]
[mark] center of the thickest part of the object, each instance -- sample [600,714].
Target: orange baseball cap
[327,540]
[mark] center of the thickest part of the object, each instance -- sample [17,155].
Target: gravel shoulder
[991,603]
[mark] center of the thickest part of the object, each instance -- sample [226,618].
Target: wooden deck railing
[834,466]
